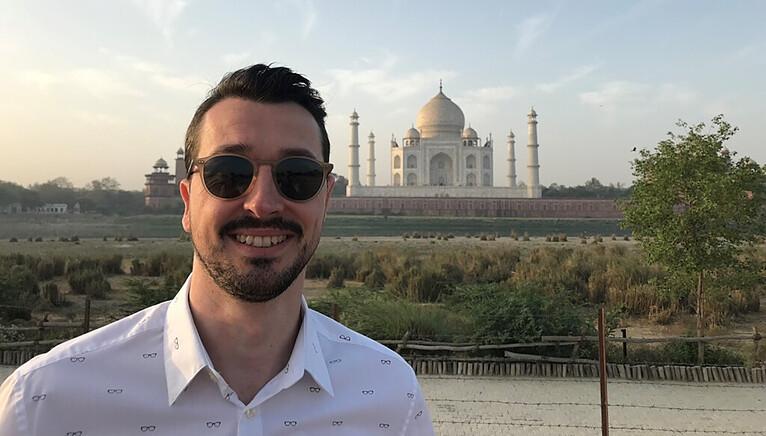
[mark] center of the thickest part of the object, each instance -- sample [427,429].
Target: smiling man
[238,351]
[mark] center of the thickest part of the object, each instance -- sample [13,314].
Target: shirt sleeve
[9,403]
[419,422]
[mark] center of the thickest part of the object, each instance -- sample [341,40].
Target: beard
[260,281]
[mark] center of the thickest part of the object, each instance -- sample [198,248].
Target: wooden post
[86,320]
[335,312]
[700,320]
[756,344]
[602,372]
[624,345]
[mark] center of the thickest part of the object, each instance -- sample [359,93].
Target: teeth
[260,241]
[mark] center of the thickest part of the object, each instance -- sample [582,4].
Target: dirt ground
[483,406]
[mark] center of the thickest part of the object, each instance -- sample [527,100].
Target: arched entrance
[440,169]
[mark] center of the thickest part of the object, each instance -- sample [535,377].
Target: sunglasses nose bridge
[263,199]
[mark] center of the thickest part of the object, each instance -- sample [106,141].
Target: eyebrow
[243,149]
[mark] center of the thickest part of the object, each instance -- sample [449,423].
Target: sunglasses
[230,176]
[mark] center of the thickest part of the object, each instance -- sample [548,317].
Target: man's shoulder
[345,338]
[104,341]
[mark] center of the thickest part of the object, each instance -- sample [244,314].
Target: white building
[440,157]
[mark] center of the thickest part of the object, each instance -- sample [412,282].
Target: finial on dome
[440,85]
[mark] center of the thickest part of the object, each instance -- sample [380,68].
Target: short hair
[262,84]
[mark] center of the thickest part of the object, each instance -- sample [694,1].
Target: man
[238,351]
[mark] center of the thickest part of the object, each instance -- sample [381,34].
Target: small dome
[180,151]
[440,117]
[470,133]
[412,133]
[532,112]
[160,163]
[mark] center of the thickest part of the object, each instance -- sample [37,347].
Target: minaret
[180,167]
[512,159]
[371,161]
[533,166]
[353,148]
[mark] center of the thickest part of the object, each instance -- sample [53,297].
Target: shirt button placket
[250,423]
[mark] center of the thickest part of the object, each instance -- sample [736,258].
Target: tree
[694,208]
[104,184]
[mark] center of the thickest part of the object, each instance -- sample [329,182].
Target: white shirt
[148,374]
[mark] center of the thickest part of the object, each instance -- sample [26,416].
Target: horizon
[104,90]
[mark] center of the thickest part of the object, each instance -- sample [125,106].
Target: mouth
[260,241]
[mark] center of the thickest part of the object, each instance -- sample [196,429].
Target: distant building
[11,208]
[52,208]
[161,187]
[440,157]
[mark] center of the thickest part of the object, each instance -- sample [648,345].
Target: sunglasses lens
[298,178]
[228,176]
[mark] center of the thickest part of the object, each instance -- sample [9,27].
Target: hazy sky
[104,88]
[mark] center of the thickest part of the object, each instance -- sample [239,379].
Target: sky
[97,89]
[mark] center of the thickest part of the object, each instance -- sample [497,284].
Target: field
[168,226]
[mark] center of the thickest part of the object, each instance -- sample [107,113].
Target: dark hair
[263,84]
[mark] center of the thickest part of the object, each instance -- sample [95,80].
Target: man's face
[267,131]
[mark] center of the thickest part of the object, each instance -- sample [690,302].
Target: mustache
[249,222]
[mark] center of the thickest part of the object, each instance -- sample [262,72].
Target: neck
[248,343]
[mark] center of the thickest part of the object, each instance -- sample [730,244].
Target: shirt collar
[185,356]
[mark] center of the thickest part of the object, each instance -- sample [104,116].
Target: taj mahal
[440,157]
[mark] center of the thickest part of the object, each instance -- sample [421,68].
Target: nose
[264,199]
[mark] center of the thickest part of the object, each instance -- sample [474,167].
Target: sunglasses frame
[199,164]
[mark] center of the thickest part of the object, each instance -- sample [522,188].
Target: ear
[328,194]
[185,188]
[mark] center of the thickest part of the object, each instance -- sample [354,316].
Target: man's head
[254,246]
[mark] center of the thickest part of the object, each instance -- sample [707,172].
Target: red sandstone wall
[488,207]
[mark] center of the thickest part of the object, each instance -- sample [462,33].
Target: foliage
[591,189]
[502,313]
[145,293]
[90,282]
[694,207]
[381,316]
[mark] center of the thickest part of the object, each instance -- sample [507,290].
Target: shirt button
[250,413]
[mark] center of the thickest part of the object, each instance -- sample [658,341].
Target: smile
[260,241]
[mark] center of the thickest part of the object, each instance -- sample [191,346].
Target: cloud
[158,74]
[576,74]
[308,15]
[620,93]
[529,31]
[236,58]
[615,92]
[97,119]
[163,14]
[99,83]
[383,82]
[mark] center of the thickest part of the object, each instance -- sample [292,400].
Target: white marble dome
[470,133]
[440,117]
[411,133]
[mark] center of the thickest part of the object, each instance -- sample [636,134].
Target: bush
[89,282]
[51,294]
[13,240]
[75,238]
[336,279]
[145,293]
[111,265]
[381,316]
[501,313]
[526,236]
[39,239]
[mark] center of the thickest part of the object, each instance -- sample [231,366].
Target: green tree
[694,208]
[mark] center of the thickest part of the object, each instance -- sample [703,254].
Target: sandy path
[483,406]
[516,406]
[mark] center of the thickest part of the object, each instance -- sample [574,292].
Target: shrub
[111,264]
[526,236]
[51,294]
[132,238]
[63,239]
[13,240]
[39,239]
[74,238]
[89,282]
[375,279]
[145,293]
[336,279]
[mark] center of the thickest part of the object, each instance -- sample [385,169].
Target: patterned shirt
[149,374]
